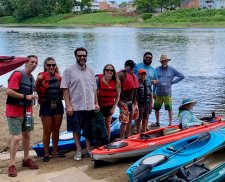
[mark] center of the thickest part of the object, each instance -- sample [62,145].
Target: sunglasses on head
[51,65]
[82,56]
[109,70]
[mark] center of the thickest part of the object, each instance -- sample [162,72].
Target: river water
[198,53]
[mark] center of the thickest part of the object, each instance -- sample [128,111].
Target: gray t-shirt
[81,85]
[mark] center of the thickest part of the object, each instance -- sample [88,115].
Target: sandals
[155,125]
[59,154]
[46,158]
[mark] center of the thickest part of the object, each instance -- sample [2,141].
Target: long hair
[50,59]
[114,77]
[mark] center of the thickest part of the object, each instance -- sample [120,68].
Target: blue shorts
[80,120]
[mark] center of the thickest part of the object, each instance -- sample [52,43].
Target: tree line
[23,9]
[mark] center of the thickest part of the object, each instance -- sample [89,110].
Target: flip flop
[155,125]
[59,154]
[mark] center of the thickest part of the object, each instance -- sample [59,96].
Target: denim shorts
[17,126]
[80,120]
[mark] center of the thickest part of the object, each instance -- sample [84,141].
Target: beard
[147,63]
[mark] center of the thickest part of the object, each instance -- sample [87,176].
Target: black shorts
[105,110]
[80,120]
[46,110]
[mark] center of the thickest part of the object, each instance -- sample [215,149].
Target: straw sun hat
[187,101]
[164,57]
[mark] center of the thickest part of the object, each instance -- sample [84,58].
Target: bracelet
[24,96]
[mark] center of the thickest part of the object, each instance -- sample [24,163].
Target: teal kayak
[214,162]
[175,155]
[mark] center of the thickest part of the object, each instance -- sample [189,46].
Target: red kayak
[142,144]
[9,63]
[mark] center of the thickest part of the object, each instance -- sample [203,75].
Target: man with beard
[163,88]
[80,95]
[150,73]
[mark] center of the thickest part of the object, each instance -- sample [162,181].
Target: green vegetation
[93,19]
[188,18]
[170,19]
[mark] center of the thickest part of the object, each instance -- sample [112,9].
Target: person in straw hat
[186,117]
[167,76]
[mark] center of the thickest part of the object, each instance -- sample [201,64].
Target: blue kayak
[175,155]
[66,142]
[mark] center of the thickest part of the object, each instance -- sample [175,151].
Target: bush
[145,16]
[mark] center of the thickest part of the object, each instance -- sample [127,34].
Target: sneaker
[89,153]
[30,164]
[12,171]
[78,155]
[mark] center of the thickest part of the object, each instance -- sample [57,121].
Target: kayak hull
[9,63]
[67,143]
[137,146]
[175,160]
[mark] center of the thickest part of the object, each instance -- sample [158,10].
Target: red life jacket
[106,93]
[44,89]
[130,82]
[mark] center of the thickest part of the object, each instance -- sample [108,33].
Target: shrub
[145,16]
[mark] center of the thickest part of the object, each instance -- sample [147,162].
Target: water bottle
[29,119]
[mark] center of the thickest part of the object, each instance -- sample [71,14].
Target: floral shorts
[125,110]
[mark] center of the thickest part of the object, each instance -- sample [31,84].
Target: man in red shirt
[19,113]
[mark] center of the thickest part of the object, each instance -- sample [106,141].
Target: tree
[65,6]
[7,7]
[32,8]
[145,6]
[123,5]
[85,5]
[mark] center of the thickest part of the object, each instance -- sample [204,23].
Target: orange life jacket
[130,82]
[106,93]
[46,87]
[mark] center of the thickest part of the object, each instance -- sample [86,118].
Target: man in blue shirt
[150,71]
[163,89]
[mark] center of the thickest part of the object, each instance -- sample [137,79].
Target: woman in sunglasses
[51,107]
[108,93]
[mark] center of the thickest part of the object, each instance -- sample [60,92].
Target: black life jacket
[144,92]
[26,87]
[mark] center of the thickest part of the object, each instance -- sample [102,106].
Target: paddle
[141,172]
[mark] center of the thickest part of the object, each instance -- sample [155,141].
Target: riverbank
[59,169]
[182,18]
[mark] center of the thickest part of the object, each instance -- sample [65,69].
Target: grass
[170,19]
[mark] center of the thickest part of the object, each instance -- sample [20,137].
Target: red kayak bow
[9,63]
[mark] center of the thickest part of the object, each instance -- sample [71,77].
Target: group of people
[136,90]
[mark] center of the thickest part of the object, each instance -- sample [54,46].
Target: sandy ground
[59,169]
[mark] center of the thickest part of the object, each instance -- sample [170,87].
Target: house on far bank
[190,4]
[95,6]
[130,7]
[76,6]
[212,4]
[203,4]
[108,5]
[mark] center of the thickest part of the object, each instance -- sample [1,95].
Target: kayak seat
[169,131]
[115,145]
[150,136]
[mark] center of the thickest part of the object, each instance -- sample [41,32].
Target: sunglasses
[147,57]
[82,56]
[51,65]
[109,70]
